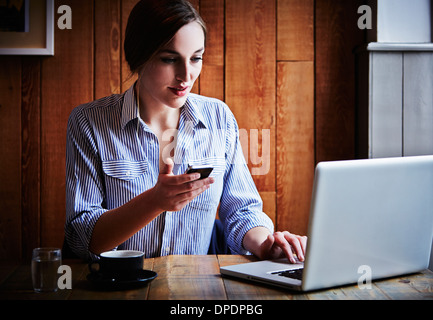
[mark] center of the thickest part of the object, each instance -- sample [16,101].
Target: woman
[126,185]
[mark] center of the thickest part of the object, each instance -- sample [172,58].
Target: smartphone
[203,170]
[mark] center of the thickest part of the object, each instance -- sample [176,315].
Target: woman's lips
[179,91]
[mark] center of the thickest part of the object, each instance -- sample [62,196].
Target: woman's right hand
[174,192]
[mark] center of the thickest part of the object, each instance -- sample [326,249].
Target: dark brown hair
[152,24]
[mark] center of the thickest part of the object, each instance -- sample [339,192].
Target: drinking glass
[45,263]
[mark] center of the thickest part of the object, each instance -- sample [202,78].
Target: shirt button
[167,249]
[128,173]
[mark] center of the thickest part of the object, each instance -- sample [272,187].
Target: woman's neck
[158,116]
[160,119]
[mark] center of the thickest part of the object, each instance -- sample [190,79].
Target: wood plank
[295,30]
[386,110]
[67,81]
[10,168]
[7,269]
[270,205]
[31,153]
[108,47]
[295,144]
[250,77]
[415,287]
[418,104]
[127,78]
[356,293]
[421,282]
[212,76]
[196,87]
[351,292]
[19,286]
[187,278]
[336,34]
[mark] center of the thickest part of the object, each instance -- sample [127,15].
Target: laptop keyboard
[293,273]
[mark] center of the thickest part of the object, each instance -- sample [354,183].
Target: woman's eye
[168,60]
[174,60]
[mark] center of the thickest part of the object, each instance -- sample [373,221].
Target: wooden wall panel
[108,47]
[295,113]
[67,81]
[295,144]
[126,77]
[196,87]
[31,154]
[295,30]
[250,70]
[10,168]
[250,77]
[212,76]
[337,35]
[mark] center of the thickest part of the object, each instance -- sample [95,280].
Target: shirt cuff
[79,234]
[236,237]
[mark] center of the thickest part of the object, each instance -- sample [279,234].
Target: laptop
[369,219]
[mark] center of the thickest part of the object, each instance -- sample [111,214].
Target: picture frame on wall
[27,27]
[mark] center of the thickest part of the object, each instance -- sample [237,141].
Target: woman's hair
[152,24]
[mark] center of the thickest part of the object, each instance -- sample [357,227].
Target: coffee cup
[118,263]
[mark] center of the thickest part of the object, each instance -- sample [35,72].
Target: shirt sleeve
[241,207]
[84,186]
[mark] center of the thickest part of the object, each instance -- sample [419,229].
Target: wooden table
[198,278]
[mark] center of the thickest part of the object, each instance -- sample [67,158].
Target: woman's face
[167,79]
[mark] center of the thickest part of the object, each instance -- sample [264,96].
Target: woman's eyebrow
[170,51]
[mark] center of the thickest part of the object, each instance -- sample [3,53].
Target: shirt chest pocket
[127,170]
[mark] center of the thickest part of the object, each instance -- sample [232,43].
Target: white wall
[404,21]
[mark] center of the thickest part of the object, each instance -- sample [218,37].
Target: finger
[295,243]
[281,241]
[184,199]
[192,181]
[168,167]
[191,194]
[303,240]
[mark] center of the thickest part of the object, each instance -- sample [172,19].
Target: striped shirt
[112,156]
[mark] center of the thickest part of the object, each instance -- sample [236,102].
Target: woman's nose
[183,72]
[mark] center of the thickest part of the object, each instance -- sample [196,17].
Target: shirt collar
[130,109]
[192,112]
